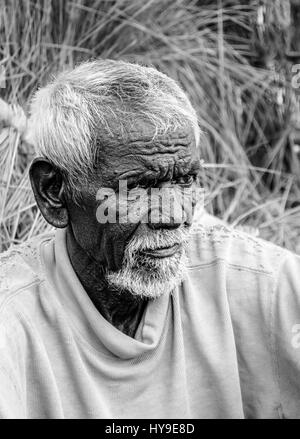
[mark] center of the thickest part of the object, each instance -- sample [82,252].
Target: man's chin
[147,281]
[142,289]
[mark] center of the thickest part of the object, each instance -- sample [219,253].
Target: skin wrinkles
[151,167]
[160,170]
[178,142]
[146,135]
[94,248]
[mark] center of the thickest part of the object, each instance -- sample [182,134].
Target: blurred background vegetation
[235,59]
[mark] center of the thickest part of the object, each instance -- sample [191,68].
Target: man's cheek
[127,212]
[115,240]
[132,207]
[88,234]
[124,207]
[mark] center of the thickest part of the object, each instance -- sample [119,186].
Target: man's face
[144,256]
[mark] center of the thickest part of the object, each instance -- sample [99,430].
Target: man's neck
[122,310]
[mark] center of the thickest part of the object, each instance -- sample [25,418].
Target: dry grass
[229,64]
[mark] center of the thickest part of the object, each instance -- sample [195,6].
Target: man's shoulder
[234,248]
[21,268]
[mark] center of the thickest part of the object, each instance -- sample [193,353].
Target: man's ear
[48,188]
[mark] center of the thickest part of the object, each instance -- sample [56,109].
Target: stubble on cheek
[115,238]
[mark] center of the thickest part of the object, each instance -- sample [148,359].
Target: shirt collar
[87,320]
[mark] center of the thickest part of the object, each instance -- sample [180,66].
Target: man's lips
[163,252]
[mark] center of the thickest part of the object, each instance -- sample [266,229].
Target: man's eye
[186,180]
[140,184]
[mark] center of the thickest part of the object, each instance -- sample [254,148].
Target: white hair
[68,115]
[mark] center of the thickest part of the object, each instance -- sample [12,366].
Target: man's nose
[167,211]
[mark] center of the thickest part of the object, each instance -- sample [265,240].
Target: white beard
[146,276]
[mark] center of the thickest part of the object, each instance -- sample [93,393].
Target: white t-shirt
[224,344]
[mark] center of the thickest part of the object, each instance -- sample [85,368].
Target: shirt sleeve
[285,332]
[10,403]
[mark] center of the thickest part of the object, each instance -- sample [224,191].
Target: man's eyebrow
[132,173]
[148,175]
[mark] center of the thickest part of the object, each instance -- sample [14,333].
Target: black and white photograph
[149,212]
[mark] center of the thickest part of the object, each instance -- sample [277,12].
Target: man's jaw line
[145,273]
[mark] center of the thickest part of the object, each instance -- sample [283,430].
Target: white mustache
[157,239]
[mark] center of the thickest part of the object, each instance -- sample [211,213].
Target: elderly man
[129,310]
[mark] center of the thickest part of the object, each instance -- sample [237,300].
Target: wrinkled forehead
[136,129]
[139,145]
